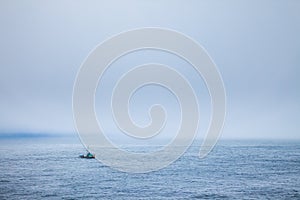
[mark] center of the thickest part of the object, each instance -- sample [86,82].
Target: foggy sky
[255,45]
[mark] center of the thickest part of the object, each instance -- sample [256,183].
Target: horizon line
[12,135]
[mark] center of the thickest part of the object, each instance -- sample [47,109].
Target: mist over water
[255,45]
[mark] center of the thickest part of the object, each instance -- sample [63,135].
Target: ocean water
[50,169]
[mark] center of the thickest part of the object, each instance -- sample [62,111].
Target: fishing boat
[88,155]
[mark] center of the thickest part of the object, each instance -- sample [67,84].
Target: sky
[255,45]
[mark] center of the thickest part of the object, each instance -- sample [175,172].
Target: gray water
[50,168]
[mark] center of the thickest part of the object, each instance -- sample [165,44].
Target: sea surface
[49,168]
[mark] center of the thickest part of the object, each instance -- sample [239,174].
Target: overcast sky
[255,44]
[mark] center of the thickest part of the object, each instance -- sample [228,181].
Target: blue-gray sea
[49,168]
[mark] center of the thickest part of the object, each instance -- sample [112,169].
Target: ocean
[49,168]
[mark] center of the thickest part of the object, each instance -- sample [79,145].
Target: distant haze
[255,44]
